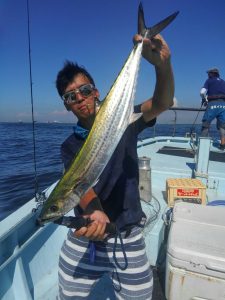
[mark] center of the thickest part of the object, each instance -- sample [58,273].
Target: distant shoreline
[70,123]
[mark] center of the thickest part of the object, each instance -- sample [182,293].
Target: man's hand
[96,230]
[204,102]
[155,51]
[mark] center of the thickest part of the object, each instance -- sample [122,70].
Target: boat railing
[189,109]
[190,134]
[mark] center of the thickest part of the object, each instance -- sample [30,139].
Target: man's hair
[66,76]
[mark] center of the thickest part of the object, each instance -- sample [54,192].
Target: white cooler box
[196,253]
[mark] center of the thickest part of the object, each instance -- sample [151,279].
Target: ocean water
[17,172]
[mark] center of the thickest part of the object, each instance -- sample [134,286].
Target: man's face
[84,106]
[212,74]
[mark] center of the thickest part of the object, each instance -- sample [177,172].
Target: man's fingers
[82,231]
[137,39]
[99,232]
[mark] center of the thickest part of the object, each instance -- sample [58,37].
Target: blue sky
[98,35]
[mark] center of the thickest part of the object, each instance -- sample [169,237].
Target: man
[213,96]
[88,253]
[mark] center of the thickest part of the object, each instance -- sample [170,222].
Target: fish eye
[54,208]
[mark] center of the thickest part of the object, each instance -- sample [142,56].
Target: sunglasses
[85,91]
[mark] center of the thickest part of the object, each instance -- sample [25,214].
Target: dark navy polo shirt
[215,86]
[117,187]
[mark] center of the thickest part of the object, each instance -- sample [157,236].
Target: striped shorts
[125,262]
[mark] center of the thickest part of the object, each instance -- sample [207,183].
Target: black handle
[110,228]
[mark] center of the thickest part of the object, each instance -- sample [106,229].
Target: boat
[184,231]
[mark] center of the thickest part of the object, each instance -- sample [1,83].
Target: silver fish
[112,119]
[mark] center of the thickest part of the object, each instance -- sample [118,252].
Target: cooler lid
[197,235]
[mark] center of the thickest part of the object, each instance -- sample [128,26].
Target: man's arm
[203,94]
[157,53]
[92,208]
[87,199]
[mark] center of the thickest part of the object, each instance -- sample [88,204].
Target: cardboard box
[186,190]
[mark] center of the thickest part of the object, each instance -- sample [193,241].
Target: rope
[118,235]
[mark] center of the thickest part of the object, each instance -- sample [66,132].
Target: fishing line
[192,127]
[192,144]
[32,103]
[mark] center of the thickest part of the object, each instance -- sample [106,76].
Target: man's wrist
[94,204]
[164,66]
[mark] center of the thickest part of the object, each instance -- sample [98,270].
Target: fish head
[56,207]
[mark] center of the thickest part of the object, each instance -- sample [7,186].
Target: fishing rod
[39,197]
[192,144]
[192,127]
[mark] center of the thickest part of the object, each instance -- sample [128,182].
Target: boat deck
[29,254]
[174,157]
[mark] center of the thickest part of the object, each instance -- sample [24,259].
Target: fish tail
[154,30]
[141,21]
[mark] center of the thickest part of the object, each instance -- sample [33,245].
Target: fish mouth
[42,221]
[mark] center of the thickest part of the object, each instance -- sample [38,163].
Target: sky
[97,34]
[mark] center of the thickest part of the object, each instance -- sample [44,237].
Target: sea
[30,157]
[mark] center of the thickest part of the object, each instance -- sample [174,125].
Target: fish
[111,121]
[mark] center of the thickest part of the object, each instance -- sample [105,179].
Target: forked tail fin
[152,31]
